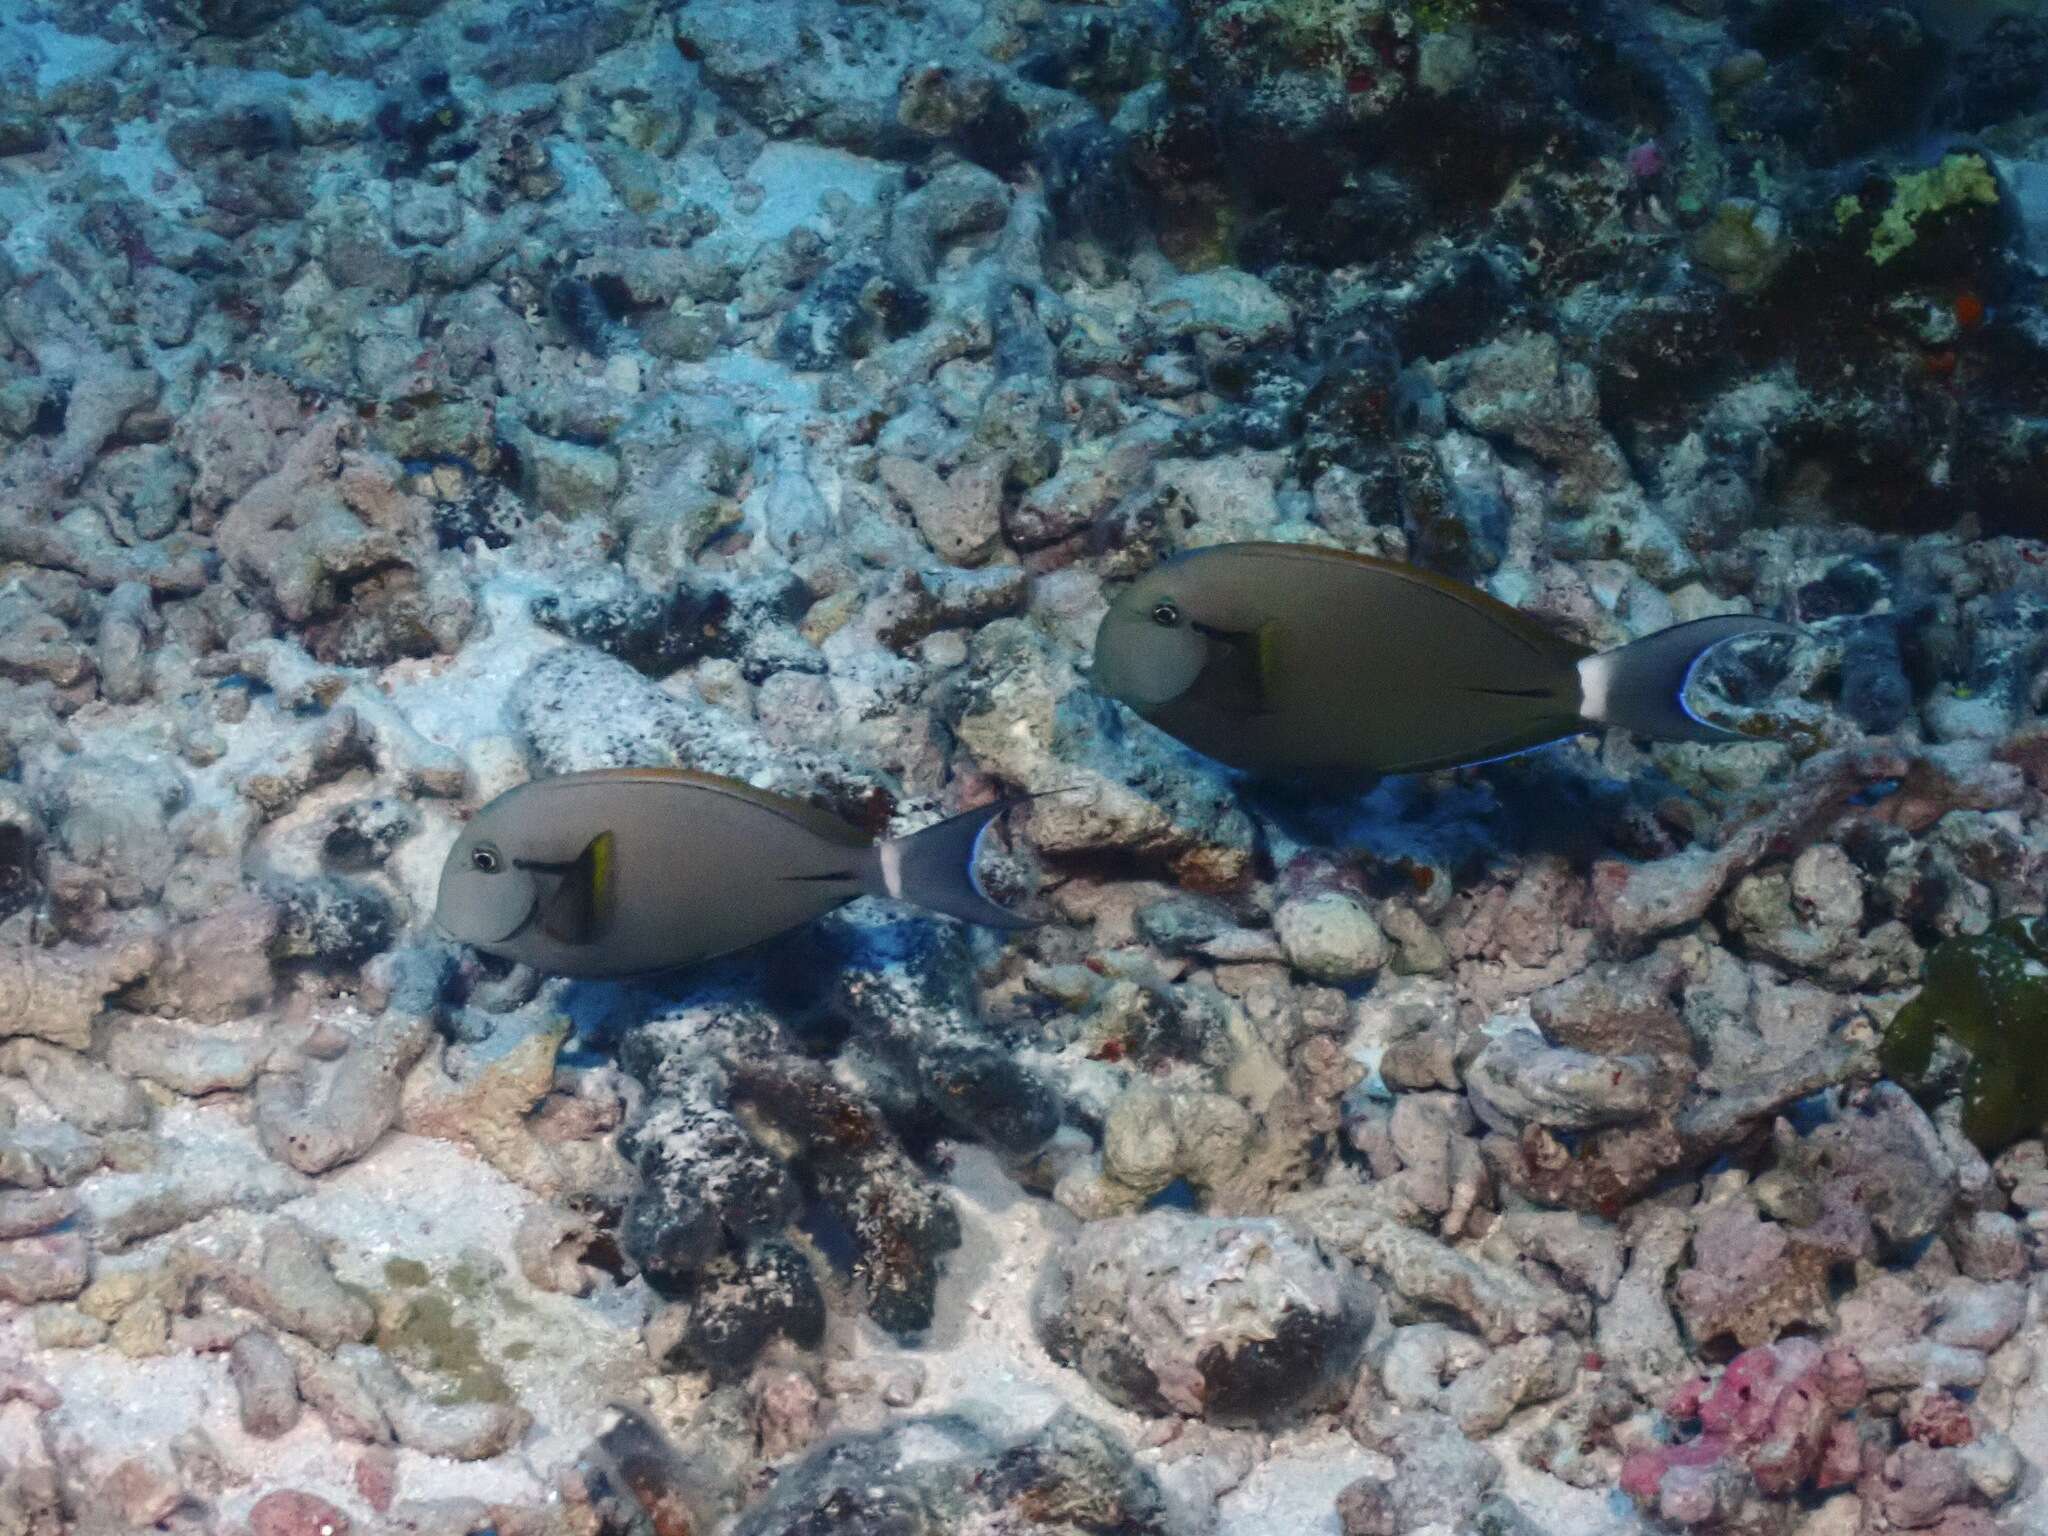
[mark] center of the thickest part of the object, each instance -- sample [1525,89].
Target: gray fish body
[1289,658]
[694,867]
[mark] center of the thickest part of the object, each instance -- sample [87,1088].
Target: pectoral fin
[581,906]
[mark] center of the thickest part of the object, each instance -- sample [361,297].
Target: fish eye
[1165,615]
[485,860]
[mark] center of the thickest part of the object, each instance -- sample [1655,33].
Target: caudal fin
[934,868]
[1641,687]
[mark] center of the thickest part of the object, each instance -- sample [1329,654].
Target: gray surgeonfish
[1289,657]
[631,871]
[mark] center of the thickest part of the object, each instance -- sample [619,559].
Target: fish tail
[1641,686]
[934,868]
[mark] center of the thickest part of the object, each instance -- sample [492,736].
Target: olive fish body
[1286,657]
[629,872]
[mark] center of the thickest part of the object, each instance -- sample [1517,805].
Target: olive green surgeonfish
[631,871]
[1290,657]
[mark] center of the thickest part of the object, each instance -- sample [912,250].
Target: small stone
[24,1213]
[1744,244]
[1227,305]
[686,333]
[1444,61]
[787,1412]
[1366,1508]
[1440,1477]
[1989,1245]
[960,517]
[143,1331]
[1974,1315]
[65,1327]
[903,1386]
[296,1514]
[265,1384]
[568,479]
[376,1477]
[1993,1465]
[52,1267]
[1331,937]
[1501,1302]
[167,304]
[55,994]
[427,215]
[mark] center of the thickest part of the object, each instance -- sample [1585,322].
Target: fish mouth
[518,928]
[526,922]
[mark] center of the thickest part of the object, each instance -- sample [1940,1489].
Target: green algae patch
[1980,1023]
[480,1285]
[1957,182]
[1743,244]
[423,1331]
[425,1324]
[1443,15]
[405,1272]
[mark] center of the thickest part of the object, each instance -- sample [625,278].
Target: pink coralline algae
[1775,1423]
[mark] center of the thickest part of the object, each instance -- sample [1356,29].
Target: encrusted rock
[1425,1273]
[944,1475]
[1752,1279]
[1772,1425]
[56,994]
[1519,1080]
[1330,937]
[1223,1319]
[76,1087]
[288,1282]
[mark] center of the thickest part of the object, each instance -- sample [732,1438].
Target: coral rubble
[401,400]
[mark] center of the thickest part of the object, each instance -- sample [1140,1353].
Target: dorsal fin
[822,823]
[1517,623]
